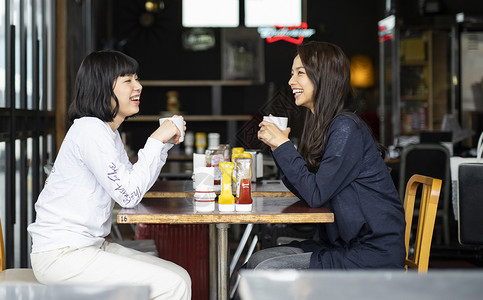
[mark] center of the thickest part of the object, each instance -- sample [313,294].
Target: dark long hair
[94,84]
[328,68]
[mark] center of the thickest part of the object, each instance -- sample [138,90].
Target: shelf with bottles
[414,117]
[181,83]
[414,82]
[414,97]
[193,118]
[206,105]
[413,47]
[413,66]
[422,84]
[196,97]
[415,74]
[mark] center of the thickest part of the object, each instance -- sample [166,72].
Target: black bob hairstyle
[94,84]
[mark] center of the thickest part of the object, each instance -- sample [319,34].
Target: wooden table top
[184,188]
[265,210]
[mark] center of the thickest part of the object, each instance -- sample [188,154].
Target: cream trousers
[115,265]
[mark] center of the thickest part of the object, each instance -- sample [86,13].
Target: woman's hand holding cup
[170,130]
[273,131]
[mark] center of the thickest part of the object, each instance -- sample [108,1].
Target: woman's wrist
[279,144]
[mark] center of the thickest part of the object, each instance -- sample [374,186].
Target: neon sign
[291,34]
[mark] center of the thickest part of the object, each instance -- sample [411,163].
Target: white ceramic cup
[179,122]
[281,122]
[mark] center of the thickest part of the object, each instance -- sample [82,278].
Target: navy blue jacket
[354,183]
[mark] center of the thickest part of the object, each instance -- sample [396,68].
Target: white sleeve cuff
[156,145]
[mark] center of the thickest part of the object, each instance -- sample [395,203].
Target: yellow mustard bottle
[237,150]
[226,200]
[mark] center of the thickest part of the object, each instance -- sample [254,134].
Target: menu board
[273,13]
[210,13]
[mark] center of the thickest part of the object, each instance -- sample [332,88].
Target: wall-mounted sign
[198,39]
[386,28]
[291,34]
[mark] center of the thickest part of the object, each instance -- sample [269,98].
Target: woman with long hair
[338,166]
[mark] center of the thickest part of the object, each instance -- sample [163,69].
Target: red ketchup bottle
[244,184]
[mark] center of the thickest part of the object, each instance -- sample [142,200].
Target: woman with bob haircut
[338,166]
[91,172]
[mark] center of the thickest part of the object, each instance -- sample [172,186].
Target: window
[27,123]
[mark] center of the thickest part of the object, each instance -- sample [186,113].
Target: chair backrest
[470,204]
[430,191]
[2,249]
[431,160]
[425,159]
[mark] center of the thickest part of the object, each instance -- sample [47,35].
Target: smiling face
[128,91]
[301,85]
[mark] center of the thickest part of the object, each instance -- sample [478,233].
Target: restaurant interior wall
[116,24]
[158,48]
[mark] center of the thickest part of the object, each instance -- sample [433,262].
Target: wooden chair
[431,160]
[431,188]
[13,275]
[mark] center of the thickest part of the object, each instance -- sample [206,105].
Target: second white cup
[281,122]
[179,122]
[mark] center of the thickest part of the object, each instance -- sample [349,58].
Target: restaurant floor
[456,256]
[453,256]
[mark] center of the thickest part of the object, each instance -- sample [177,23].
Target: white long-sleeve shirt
[91,170]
